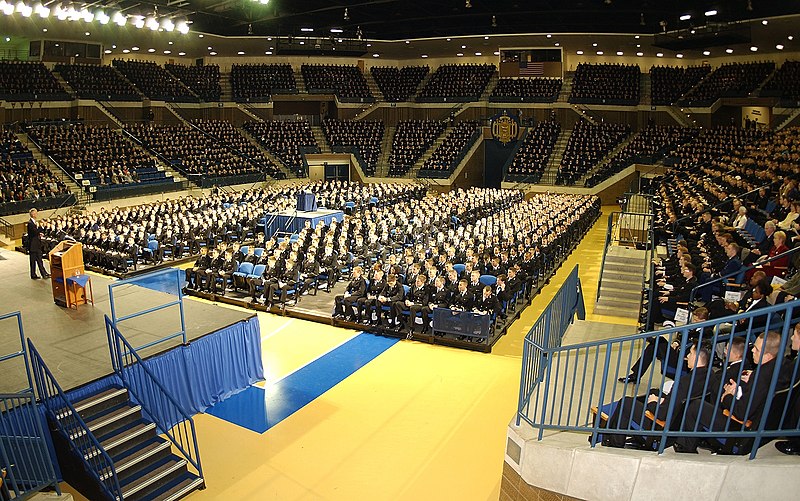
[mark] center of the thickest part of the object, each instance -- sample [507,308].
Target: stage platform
[73,343]
[292,221]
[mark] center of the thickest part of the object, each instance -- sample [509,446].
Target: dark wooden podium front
[66,260]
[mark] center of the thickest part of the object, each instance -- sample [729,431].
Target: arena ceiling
[409,19]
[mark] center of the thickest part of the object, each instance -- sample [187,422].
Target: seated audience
[729,80]
[606,84]
[446,157]
[526,90]
[669,83]
[29,81]
[411,140]
[285,140]
[586,147]
[154,81]
[97,81]
[257,82]
[21,176]
[533,155]
[347,82]
[348,135]
[398,85]
[785,83]
[202,80]
[457,83]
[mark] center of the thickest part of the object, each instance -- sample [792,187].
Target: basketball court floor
[344,415]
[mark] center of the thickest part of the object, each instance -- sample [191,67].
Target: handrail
[584,377]
[613,222]
[8,228]
[740,271]
[697,214]
[72,427]
[156,401]
[605,251]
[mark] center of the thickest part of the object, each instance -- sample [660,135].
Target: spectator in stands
[23,178]
[670,83]
[586,147]
[729,80]
[411,140]
[792,446]
[349,135]
[398,85]
[446,157]
[533,155]
[154,81]
[606,84]
[257,82]
[526,90]
[457,82]
[29,81]
[96,81]
[286,140]
[202,80]
[347,82]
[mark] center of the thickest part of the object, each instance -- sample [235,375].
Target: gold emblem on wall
[504,128]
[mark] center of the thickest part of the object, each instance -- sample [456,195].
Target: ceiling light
[107,51]
[549,35]
[181,53]
[710,13]
[170,42]
[376,55]
[619,52]
[200,35]
[640,54]
[706,52]
[183,27]
[369,45]
[460,54]
[241,53]
[134,48]
[685,17]
[448,39]
[114,46]
[679,56]
[408,41]
[557,44]
[167,52]
[594,44]
[779,47]
[478,54]
[790,38]
[765,22]
[102,17]
[336,30]
[729,51]
[138,21]
[468,4]
[638,45]
[209,48]
[151,50]
[424,56]
[269,52]
[494,21]
[659,54]
[307,29]
[303,43]
[87,33]
[463,46]
[580,52]
[168,24]
[87,16]
[636,37]
[212,53]
[44,30]
[125,51]
[753,48]
[497,53]
[599,52]
[119,19]
[152,23]
[346,14]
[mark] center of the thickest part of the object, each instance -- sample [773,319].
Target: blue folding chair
[488,279]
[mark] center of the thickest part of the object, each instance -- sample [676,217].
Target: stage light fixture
[710,13]
[182,27]
[168,24]
[152,23]
[102,17]
[119,19]
[138,21]
[346,14]
[685,17]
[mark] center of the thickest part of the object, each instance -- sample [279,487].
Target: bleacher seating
[97,155]
[285,140]
[785,83]
[232,138]
[345,81]
[411,140]
[398,85]
[447,156]
[21,176]
[195,153]
[533,155]
[257,82]
[154,81]
[729,80]
[709,145]
[202,80]
[366,136]
[647,147]
[29,81]
[669,83]
[526,90]
[606,84]
[457,83]
[586,146]
[95,81]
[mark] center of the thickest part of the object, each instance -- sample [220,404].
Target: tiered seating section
[526,90]
[285,140]
[231,137]
[457,83]
[647,147]
[606,84]
[197,154]
[94,81]
[411,140]
[785,83]
[97,155]
[729,80]
[533,155]
[669,83]
[346,82]
[587,146]
[21,177]
[257,82]
[711,144]
[347,135]
[202,80]
[154,81]
[448,155]
[29,81]
[401,84]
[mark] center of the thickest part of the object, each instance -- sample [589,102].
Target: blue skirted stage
[292,221]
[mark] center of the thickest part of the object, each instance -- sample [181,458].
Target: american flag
[531,69]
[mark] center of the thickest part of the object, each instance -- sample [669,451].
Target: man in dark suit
[356,289]
[35,247]
[415,302]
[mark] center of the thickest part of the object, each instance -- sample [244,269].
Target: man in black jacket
[376,285]
[224,273]
[415,302]
[392,292]
[35,247]
[200,265]
[355,290]
[462,299]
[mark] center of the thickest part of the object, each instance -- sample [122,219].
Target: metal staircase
[322,141]
[620,292]
[63,83]
[373,87]
[551,171]
[226,89]
[490,87]
[566,87]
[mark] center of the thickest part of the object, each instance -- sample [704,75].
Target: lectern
[66,273]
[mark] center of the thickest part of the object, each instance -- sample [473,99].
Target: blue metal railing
[548,331]
[641,223]
[23,449]
[581,384]
[72,428]
[157,403]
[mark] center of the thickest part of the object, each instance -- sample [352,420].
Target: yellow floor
[419,422]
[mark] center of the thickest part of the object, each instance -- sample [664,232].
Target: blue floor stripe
[159,282]
[260,409]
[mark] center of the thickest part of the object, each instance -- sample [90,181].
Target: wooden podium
[66,264]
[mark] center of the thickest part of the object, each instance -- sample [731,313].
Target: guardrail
[546,333]
[157,403]
[638,229]
[581,392]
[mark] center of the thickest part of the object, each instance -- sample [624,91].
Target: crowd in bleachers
[232,138]
[95,81]
[785,83]
[364,135]
[606,84]
[711,144]
[398,84]
[257,82]
[729,80]
[154,81]
[647,147]
[202,80]
[347,82]
[195,153]
[411,140]
[29,81]
[97,154]
[526,90]
[451,151]
[285,140]
[587,146]
[669,83]
[21,176]
[533,155]
[457,82]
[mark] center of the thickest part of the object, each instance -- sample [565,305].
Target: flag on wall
[531,69]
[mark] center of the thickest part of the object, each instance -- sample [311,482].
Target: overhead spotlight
[729,51]
[710,13]
[212,53]
[182,27]
[599,52]
[619,53]
[580,53]
[43,11]
[685,17]
[167,52]
[138,21]
[119,19]
[102,17]
[779,47]
[640,54]
[659,54]
[346,14]
[168,24]
[679,56]
[765,22]
[181,53]
[494,21]
[152,23]
[25,10]
[460,54]
[424,56]
[151,50]
[376,55]
[478,54]
[706,52]
[790,38]
[241,53]
[468,5]
[754,48]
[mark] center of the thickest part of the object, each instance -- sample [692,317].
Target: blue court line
[259,409]
[161,282]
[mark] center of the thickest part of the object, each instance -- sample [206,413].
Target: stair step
[167,467]
[110,417]
[108,396]
[149,450]
[176,488]
[620,303]
[625,261]
[607,310]
[126,438]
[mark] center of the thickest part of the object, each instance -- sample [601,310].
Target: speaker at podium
[306,201]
